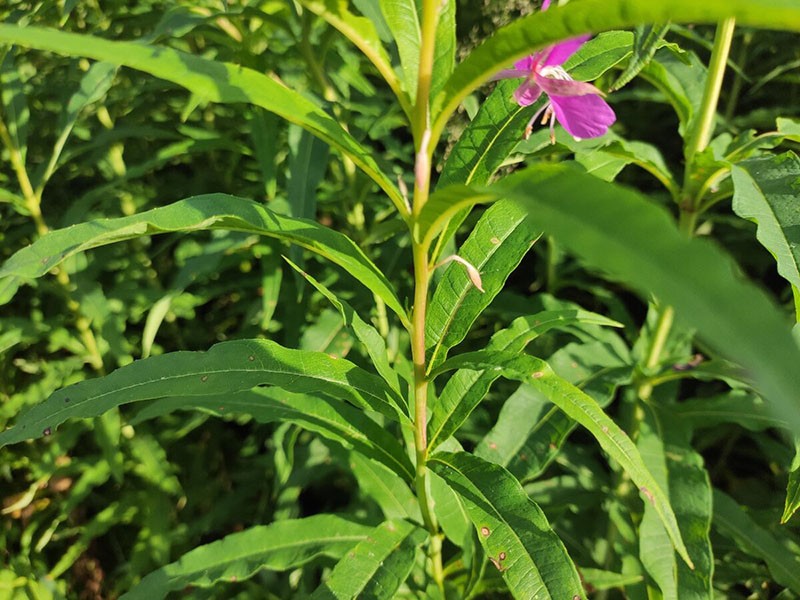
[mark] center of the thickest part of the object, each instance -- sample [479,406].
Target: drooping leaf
[372,341]
[226,368]
[376,566]
[465,389]
[211,80]
[278,546]
[212,211]
[585,410]
[511,527]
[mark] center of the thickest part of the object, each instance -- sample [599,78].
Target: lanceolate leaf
[766,191]
[372,341]
[585,410]
[444,56]
[465,389]
[226,368]
[330,418]
[403,20]
[619,231]
[511,527]
[496,246]
[212,211]
[279,546]
[793,487]
[666,449]
[210,80]
[558,23]
[375,567]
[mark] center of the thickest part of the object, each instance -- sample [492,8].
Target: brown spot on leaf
[485,531]
[537,375]
[648,494]
[204,378]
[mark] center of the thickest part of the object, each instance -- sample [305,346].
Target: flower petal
[564,87]
[526,64]
[559,53]
[527,93]
[545,4]
[508,74]
[583,116]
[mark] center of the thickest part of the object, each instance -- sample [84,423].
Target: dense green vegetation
[297,299]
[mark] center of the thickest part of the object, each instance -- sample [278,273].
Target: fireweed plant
[282,337]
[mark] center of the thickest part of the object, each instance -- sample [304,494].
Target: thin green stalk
[704,126]
[422,273]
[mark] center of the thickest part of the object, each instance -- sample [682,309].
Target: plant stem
[704,126]
[422,272]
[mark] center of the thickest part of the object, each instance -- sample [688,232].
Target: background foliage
[163,202]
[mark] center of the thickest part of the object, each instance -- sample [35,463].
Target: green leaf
[212,211]
[647,39]
[372,341]
[278,546]
[212,81]
[364,35]
[585,410]
[390,492]
[734,522]
[444,51]
[403,20]
[792,495]
[575,18]
[681,80]
[765,191]
[376,567]
[226,368]
[792,502]
[666,450]
[328,417]
[530,430]
[465,389]
[599,55]
[511,527]
[637,242]
[500,240]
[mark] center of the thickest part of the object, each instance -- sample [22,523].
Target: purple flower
[577,105]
